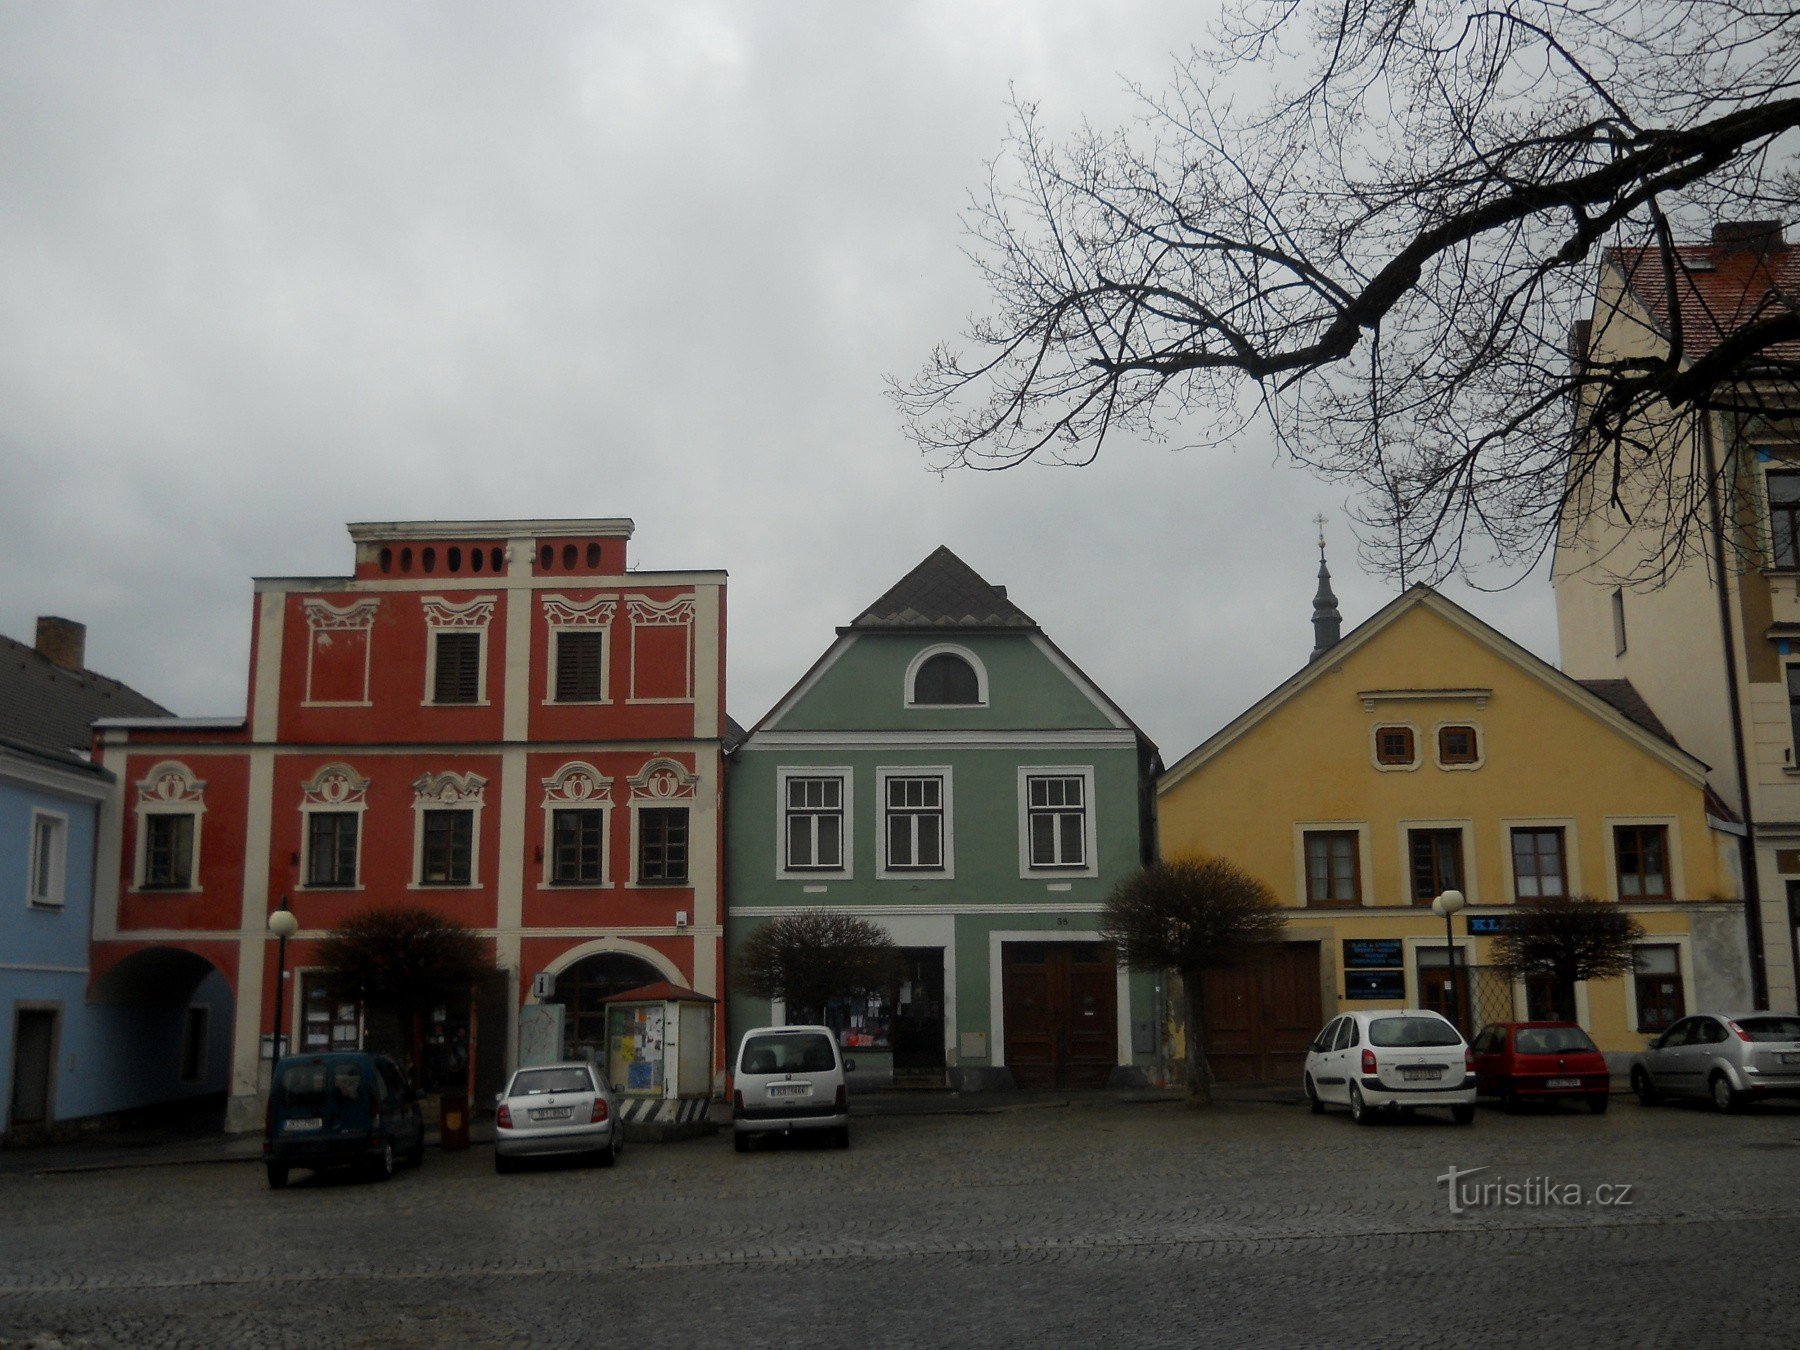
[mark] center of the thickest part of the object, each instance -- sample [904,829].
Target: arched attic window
[944,678]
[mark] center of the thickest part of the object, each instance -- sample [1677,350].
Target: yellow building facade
[1424,752]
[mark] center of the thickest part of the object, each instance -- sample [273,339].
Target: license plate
[1790,1058]
[304,1123]
[552,1113]
[1562,1082]
[789,1089]
[1421,1075]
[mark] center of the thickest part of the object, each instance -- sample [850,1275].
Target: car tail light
[843,1097]
[1736,1030]
[599,1111]
[1369,1064]
[1469,1059]
[503,1117]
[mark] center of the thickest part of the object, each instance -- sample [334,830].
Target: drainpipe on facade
[1759,975]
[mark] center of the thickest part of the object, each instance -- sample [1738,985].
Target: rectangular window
[915,824]
[1456,745]
[815,824]
[1784,520]
[169,850]
[49,859]
[456,678]
[1793,694]
[1642,853]
[1436,858]
[1618,618]
[1656,979]
[1056,821]
[195,1030]
[663,845]
[447,855]
[1333,868]
[1538,869]
[579,657]
[331,848]
[1394,745]
[577,848]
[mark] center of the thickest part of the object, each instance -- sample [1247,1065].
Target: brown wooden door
[1061,1008]
[1261,1016]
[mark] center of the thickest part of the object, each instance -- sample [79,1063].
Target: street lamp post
[283,925]
[1447,904]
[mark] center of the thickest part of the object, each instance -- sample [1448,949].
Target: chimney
[1749,236]
[62,641]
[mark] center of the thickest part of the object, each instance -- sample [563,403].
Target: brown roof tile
[1720,288]
[943,592]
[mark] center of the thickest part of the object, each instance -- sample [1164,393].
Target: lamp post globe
[283,924]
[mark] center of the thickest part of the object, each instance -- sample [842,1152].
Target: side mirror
[849,1066]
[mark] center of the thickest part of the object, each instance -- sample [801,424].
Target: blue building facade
[65,1057]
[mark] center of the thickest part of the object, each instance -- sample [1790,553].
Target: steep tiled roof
[44,705]
[943,592]
[1623,695]
[1720,288]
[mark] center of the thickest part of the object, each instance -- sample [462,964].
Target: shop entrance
[583,989]
[1061,1008]
[918,1026]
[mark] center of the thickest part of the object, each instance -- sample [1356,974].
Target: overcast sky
[268,269]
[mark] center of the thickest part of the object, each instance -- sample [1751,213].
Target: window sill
[322,887]
[443,885]
[575,886]
[576,702]
[49,906]
[682,885]
[166,890]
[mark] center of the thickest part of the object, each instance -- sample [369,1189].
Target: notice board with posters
[634,1042]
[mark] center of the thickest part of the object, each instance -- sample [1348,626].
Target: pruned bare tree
[812,956]
[1388,258]
[1567,939]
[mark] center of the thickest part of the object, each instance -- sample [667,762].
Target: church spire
[1326,621]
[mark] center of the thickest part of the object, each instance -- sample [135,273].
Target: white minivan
[788,1080]
[1391,1061]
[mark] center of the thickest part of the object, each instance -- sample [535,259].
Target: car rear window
[805,1052]
[1551,1040]
[1771,1028]
[303,1084]
[1399,1032]
[536,1082]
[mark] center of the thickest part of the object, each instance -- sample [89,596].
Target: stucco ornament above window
[577,784]
[449,789]
[170,783]
[662,780]
[335,785]
[648,613]
[562,612]
[324,618]
[442,613]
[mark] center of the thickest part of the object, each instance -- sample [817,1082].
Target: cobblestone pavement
[1252,1224]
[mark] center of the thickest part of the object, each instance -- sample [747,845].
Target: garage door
[1261,1016]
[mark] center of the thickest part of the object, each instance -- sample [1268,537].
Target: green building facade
[945,771]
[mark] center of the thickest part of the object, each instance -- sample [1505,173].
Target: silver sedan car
[557,1109]
[1731,1058]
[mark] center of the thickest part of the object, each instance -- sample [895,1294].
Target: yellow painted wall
[1544,758]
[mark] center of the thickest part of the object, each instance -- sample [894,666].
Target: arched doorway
[160,1029]
[582,990]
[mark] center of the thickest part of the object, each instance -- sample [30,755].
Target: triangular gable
[1495,641]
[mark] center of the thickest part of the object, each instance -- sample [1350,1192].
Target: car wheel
[1312,1097]
[1359,1109]
[1647,1094]
[1597,1103]
[1724,1096]
[278,1175]
[840,1137]
[1463,1115]
[382,1166]
[741,1142]
[606,1156]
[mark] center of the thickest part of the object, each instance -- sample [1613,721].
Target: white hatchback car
[1391,1061]
[789,1080]
[557,1108]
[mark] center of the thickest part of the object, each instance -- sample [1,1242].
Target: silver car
[790,1080]
[1731,1058]
[557,1109]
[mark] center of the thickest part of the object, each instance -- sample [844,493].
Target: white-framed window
[1056,821]
[456,650]
[916,821]
[447,830]
[49,866]
[1394,747]
[580,648]
[815,822]
[1542,858]
[946,676]
[1781,486]
[577,808]
[331,810]
[171,807]
[662,796]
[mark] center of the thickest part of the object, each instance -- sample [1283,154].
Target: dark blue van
[344,1109]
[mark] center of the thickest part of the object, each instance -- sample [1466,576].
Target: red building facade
[495,720]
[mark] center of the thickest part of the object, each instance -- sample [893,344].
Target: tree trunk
[1193,1012]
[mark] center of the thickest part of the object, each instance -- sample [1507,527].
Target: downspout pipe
[1759,973]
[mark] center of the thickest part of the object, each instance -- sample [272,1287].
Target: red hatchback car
[1539,1062]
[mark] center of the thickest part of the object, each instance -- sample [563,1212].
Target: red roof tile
[1721,287]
